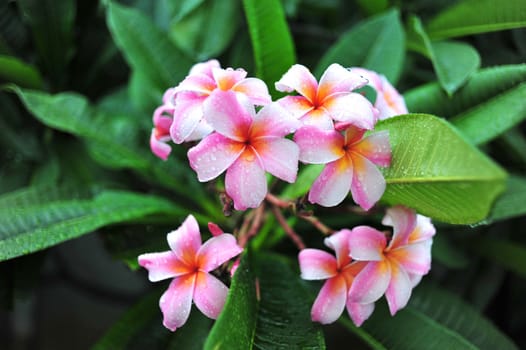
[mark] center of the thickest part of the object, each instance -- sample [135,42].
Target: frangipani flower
[162,120]
[388,100]
[350,164]
[189,263]
[245,145]
[339,272]
[394,266]
[205,79]
[332,99]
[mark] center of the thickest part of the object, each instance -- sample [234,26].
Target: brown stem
[251,225]
[278,201]
[320,226]
[288,230]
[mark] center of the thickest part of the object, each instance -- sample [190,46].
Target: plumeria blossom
[339,272]
[202,82]
[393,266]
[330,100]
[162,120]
[389,102]
[350,160]
[245,145]
[189,263]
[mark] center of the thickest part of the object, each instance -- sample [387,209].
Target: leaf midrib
[444,179]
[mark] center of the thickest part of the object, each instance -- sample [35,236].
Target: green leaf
[484,85]
[31,228]
[497,115]
[52,23]
[452,312]
[271,39]
[377,43]
[146,48]
[478,16]
[239,316]
[454,62]
[282,319]
[15,71]
[447,253]
[508,254]
[512,203]
[372,7]
[303,183]
[206,32]
[437,172]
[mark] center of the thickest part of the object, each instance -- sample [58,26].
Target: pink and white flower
[388,100]
[393,266]
[350,164]
[203,81]
[245,145]
[189,263]
[330,100]
[339,272]
[162,120]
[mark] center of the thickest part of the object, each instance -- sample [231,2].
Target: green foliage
[512,203]
[437,172]
[367,44]
[15,71]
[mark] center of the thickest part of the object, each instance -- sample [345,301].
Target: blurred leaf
[454,62]
[447,253]
[498,114]
[437,172]
[143,93]
[372,7]
[508,254]
[31,228]
[282,320]
[182,8]
[368,44]
[482,86]
[512,203]
[303,183]
[515,144]
[239,316]
[371,341]
[52,23]
[272,42]
[15,71]
[478,16]
[207,31]
[146,48]
[449,310]
[141,328]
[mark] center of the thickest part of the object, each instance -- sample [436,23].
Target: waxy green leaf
[272,42]
[477,16]
[512,203]
[437,172]
[508,254]
[377,43]
[15,71]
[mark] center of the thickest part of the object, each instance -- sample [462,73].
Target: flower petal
[399,290]
[351,108]
[330,302]
[279,157]
[366,244]
[389,101]
[333,184]
[176,302]
[186,240]
[414,258]
[245,181]
[186,118]
[317,264]
[318,146]
[369,285]
[213,155]
[273,120]
[216,251]
[298,106]
[338,80]
[228,115]
[319,118]
[160,148]
[199,83]
[163,265]
[359,312]
[423,230]
[204,67]
[339,242]
[376,148]
[227,78]
[210,294]
[403,221]
[298,78]
[368,183]
[202,129]
[255,89]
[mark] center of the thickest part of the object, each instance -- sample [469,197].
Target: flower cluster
[329,120]
[368,264]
